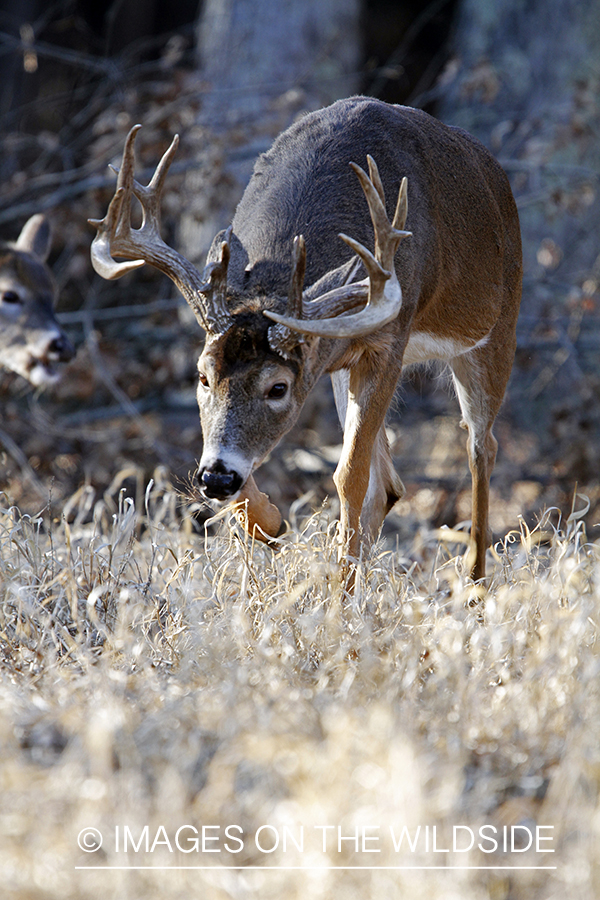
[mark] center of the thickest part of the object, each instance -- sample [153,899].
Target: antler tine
[387,237]
[112,224]
[150,195]
[115,237]
[374,176]
[282,339]
[126,169]
[399,220]
[294,305]
[401,206]
[383,294]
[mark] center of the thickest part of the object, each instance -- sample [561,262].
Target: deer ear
[238,257]
[36,237]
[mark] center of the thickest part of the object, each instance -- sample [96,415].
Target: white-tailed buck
[283,300]
[31,340]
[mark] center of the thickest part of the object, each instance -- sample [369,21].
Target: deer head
[31,341]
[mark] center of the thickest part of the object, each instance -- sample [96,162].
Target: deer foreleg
[384,490]
[255,512]
[364,475]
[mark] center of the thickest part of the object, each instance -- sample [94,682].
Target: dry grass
[150,677]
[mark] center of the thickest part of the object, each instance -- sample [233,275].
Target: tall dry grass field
[233,725]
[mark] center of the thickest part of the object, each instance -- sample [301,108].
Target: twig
[13,211]
[118,312]
[21,460]
[102,64]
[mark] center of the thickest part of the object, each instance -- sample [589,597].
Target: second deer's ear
[36,237]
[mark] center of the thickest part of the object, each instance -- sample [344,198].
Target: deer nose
[219,483]
[61,348]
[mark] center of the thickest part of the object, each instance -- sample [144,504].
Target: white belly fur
[423,346]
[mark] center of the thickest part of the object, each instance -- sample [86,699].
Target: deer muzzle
[217,482]
[60,349]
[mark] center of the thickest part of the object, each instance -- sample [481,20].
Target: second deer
[32,342]
[283,300]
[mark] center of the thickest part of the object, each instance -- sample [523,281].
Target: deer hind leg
[480,378]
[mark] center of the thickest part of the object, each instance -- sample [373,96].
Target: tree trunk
[260,65]
[251,53]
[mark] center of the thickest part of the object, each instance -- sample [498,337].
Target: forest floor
[158,673]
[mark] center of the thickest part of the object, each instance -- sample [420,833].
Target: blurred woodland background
[228,75]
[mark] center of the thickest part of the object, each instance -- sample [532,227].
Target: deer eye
[10,297]
[278,391]
[203,379]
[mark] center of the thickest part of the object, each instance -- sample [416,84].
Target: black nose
[61,348]
[218,483]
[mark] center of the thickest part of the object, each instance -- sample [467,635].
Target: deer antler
[381,289]
[281,339]
[294,305]
[206,293]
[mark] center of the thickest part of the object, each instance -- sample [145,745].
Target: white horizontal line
[311,868]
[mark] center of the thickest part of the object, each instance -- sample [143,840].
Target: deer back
[460,209]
